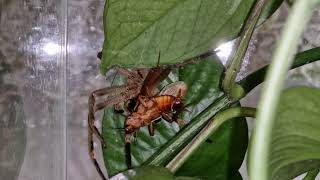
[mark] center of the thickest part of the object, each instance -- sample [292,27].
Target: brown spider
[140,83]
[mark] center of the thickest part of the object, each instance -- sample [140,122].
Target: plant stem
[311,175]
[257,77]
[247,84]
[282,59]
[234,68]
[206,132]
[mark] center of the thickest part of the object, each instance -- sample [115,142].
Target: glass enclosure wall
[85,38]
[32,89]
[48,67]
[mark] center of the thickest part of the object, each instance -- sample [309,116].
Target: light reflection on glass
[224,51]
[51,48]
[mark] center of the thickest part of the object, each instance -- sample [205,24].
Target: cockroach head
[177,104]
[129,129]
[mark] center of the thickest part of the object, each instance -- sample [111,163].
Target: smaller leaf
[222,154]
[144,173]
[296,138]
[150,172]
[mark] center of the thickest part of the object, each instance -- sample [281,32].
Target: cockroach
[166,105]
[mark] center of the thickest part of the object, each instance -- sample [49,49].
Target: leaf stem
[237,58]
[282,59]
[311,175]
[257,77]
[246,85]
[206,132]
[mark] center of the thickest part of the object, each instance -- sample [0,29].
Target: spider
[140,83]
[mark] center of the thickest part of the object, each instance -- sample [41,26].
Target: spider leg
[92,129]
[123,71]
[92,155]
[128,93]
[93,107]
[117,94]
[133,76]
[117,109]
[142,100]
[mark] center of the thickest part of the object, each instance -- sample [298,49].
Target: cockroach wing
[154,78]
[178,88]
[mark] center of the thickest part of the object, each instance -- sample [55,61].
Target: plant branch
[247,84]
[283,57]
[206,132]
[237,58]
[311,175]
[257,77]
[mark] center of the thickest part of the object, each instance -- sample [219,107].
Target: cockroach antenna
[158,63]
[122,129]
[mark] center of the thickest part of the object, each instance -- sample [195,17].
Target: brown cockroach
[167,105]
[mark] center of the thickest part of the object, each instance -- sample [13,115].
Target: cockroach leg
[151,129]
[181,122]
[167,117]
[128,154]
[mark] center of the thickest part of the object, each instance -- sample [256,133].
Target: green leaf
[145,145]
[229,143]
[186,178]
[203,89]
[222,154]
[150,172]
[296,136]
[146,172]
[137,30]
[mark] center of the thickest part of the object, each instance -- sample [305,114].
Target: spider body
[141,83]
